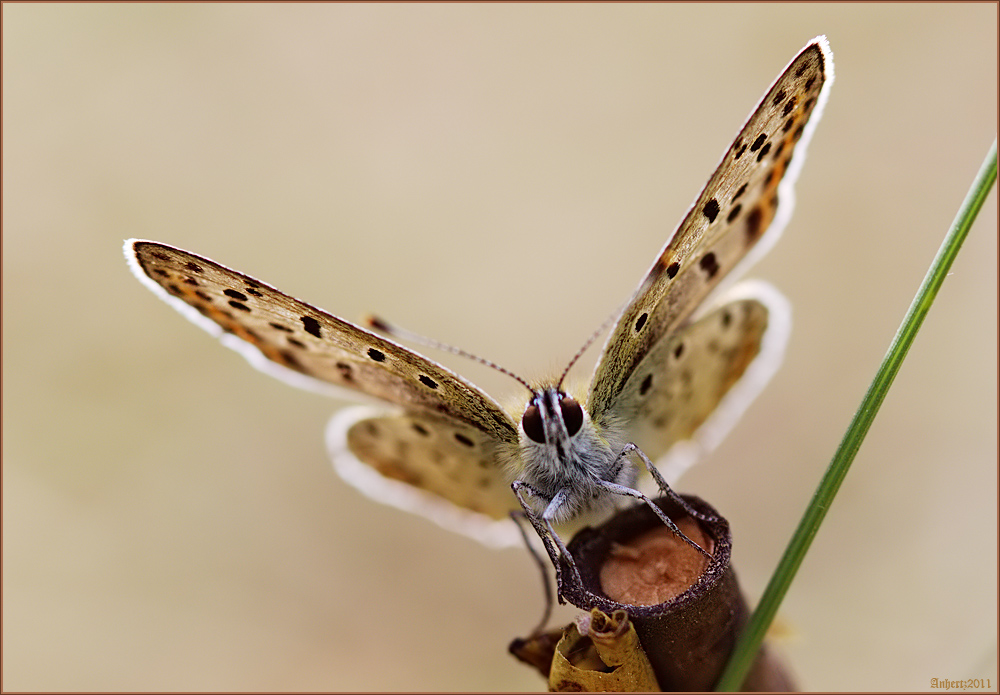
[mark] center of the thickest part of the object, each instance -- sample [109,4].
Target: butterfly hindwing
[684,377]
[443,457]
[728,220]
[437,468]
[309,341]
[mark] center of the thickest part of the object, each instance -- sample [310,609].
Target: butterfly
[674,373]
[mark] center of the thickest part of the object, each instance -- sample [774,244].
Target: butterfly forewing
[310,341]
[729,218]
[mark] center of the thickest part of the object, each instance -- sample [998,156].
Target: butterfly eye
[572,414]
[531,421]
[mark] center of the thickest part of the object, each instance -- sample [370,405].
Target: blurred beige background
[498,177]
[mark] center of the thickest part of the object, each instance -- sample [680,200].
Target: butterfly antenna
[383,326]
[590,341]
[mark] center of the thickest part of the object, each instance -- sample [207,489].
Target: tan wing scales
[455,462]
[310,341]
[728,219]
[684,377]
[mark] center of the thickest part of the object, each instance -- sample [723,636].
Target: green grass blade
[749,643]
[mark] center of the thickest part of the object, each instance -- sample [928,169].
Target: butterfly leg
[617,489]
[518,486]
[661,482]
[547,613]
[545,530]
[626,491]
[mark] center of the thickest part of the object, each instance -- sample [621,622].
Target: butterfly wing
[415,460]
[728,220]
[446,441]
[274,329]
[695,383]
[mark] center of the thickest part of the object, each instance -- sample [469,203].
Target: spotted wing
[695,383]
[415,460]
[307,346]
[749,194]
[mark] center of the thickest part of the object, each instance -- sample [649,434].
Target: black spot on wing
[753,224]
[312,326]
[290,360]
[711,209]
[346,371]
[709,264]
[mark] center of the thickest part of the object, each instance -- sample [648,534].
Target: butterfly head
[564,455]
[552,417]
